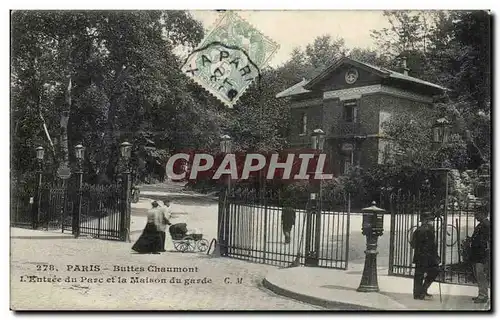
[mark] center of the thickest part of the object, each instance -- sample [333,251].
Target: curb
[328,304]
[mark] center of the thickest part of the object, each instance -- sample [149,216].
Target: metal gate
[99,211]
[251,228]
[55,207]
[21,206]
[454,222]
[102,212]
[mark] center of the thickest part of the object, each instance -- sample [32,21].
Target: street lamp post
[223,218]
[314,240]
[444,175]
[79,154]
[126,153]
[39,173]
[373,227]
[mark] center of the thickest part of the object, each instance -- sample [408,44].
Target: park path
[30,248]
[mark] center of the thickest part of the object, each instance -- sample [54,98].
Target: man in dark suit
[287,221]
[480,252]
[425,257]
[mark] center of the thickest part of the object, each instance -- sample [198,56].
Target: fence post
[226,216]
[311,259]
[220,215]
[38,195]
[317,232]
[79,194]
[348,230]
[391,235]
[265,198]
[444,222]
[125,155]
[125,210]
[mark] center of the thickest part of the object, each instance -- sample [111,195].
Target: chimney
[405,68]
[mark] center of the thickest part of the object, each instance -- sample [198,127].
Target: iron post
[38,191]
[126,151]
[318,212]
[444,217]
[223,217]
[444,222]
[79,149]
[372,228]
[311,259]
[313,240]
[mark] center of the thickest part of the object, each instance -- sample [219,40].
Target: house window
[384,118]
[303,123]
[350,111]
[347,162]
[441,134]
[386,151]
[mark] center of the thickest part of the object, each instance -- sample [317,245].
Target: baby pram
[185,242]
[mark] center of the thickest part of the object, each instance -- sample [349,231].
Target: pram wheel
[179,245]
[189,243]
[203,245]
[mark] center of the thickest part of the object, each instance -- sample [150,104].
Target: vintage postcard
[250,160]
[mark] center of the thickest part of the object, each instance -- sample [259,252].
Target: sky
[292,29]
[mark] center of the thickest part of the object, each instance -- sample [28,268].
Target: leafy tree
[370,57]
[104,77]
[324,50]
[451,48]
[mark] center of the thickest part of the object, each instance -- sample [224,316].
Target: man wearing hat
[480,252]
[425,257]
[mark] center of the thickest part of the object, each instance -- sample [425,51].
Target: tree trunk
[37,98]
[108,160]
[64,124]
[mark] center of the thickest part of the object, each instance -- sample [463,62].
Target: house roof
[306,86]
[297,88]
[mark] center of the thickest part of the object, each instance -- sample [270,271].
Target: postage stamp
[230,58]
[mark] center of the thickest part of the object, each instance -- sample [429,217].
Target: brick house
[350,100]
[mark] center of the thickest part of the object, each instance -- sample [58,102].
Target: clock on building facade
[351,76]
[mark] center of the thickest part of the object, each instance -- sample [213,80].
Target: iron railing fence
[252,226]
[454,222]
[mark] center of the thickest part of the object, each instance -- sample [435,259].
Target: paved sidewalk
[31,248]
[333,288]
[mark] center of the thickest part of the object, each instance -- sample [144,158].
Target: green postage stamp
[230,58]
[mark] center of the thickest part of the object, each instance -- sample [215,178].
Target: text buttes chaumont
[129,268]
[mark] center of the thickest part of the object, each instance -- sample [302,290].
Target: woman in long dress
[150,240]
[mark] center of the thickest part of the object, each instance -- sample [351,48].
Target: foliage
[451,48]
[318,55]
[259,119]
[127,84]
[411,143]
